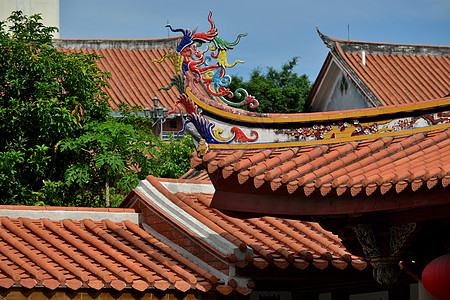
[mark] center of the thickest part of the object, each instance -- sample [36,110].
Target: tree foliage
[45,96]
[170,157]
[278,91]
[110,154]
[59,144]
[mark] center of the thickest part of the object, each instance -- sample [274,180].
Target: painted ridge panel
[226,130]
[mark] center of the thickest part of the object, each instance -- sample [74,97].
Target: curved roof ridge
[384,47]
[233,113]
[272,244]
[162,199]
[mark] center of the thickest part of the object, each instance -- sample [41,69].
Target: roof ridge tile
[335,161]
[302,160]
[296,236]
[243,176]
[251,160]
[446,180]
[412,167]
[308,172]
[61,247]
[246,228]
[272,162]
[76,243]
[229,159]
[268,239]
[19,261]
[372,162]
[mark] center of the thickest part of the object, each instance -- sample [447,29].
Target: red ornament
[436,277]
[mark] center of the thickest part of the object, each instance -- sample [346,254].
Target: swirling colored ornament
[189,57]
[202,56]
[241,137]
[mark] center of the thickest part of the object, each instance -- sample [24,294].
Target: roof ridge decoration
[189,57]
[223,125]
[149,190]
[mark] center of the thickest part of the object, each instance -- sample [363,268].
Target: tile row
[382,164]
[274,241]
[87,254]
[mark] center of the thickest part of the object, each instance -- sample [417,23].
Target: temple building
[367,74]
[375,172]
[348,202]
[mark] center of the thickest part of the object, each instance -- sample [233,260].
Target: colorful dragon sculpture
[190,59]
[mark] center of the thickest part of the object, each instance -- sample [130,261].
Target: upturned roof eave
[386,48]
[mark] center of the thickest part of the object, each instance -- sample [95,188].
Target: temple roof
[326,163]
[59,250]
[390,74]
[165,237]
[263,242]
[135,78]
[297,180]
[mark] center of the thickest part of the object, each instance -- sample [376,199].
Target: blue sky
[277,30]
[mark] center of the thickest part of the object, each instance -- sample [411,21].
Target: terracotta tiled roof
[90,254]
[375,167]
[273,241]
[393,73]
[135,78]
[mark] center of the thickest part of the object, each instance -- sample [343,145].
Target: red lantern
[436,277]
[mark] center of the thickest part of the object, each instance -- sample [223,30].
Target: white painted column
[423,294]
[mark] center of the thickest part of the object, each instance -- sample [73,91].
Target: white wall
[49,10]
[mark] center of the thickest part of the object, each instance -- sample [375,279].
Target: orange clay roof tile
[135,78]
[76,254]
[275,241]
[376,164]
[392,73]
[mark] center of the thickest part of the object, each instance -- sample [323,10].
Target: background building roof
[135,78]
[390,74]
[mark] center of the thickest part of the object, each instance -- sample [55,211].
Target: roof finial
[348,32]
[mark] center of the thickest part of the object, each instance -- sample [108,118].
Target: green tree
[111,153]
[59,144]
[172,158]
[45,97]
[119,152]
[278,91]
